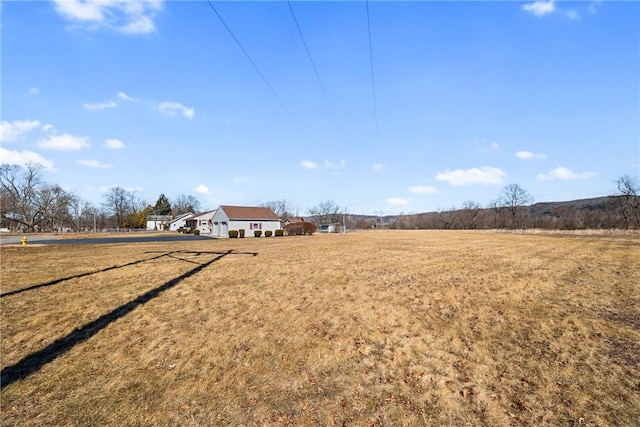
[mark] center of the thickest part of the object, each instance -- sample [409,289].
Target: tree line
[29,204]
[513,209]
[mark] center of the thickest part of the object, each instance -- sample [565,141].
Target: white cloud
[64,142]
[127,17]
[484,175]
[99,105]
[23,157]
[124,96]
[397,201]
[138,25]
[308,164]
[170,108]
[495,145]
[526,155]
[593,6]
[338,165]
[378,167]
[33,91]
[424,189]
[11,131]
[540,8]
[202,189]
[48,127]
[573,15]
[94,164]
[565,174]
[78,10]
[114,144]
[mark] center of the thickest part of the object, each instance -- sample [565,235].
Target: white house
[180,221]
[158,222]
[202,222]
[244,217]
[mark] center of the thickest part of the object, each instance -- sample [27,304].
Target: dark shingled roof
[248,212]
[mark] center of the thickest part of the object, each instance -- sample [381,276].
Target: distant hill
[597,203]
[600,212]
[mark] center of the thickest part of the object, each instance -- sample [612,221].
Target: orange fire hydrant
[24,240]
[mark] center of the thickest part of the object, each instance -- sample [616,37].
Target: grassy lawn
[373,328]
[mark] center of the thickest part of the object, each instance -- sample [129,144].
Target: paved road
[55,240]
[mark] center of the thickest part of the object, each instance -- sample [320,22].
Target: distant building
[158,222]
[244,217]
[201,221]
[180,221]
[331,228]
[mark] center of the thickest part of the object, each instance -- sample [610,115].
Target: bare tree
[327,212]
[19,192]
[629,189]
[470,211]
[185,204]
[281,208]
[55,204]
[514,197]
[117,203]
[84,215]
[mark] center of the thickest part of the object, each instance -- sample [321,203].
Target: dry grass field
[374,328]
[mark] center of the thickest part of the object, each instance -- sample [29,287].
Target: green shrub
[279,233]
[241,232]
[257,233]
[233,234]
[268,233]
[181,230]
[196,232]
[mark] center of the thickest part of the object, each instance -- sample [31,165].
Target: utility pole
[379,214]
[344,223]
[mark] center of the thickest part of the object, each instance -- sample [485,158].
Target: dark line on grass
[37,360]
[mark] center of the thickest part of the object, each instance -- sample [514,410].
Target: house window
[255,226]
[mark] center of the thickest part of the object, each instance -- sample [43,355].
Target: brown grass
[377,328]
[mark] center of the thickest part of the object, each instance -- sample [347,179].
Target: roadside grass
[373,328]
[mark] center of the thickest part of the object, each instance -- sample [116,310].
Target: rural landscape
[320,213]
[386,327]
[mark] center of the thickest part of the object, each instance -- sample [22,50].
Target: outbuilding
[158,222]
[248,218]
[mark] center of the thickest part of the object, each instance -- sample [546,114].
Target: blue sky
[450,102]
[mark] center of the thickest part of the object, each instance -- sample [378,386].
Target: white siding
[182,222]
[220,229]
[263,225]
[203,222]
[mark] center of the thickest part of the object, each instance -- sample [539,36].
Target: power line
[250,60]
[313,64]
[373,80]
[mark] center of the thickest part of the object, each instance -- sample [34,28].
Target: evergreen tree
[162,206]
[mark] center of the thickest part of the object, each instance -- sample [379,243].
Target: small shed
[331,228]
